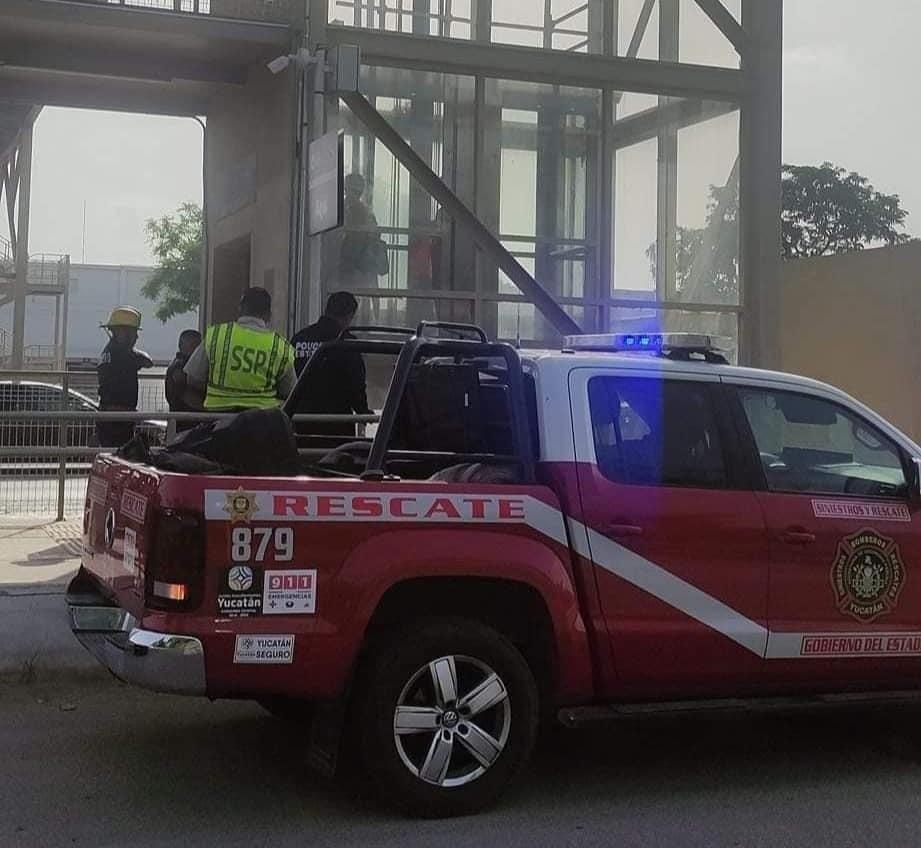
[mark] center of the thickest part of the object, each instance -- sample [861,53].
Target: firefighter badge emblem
[241,506]
[867,576]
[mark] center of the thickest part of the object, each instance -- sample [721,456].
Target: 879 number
[251,544]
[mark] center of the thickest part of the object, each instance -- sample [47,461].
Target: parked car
[29,396]
[577,533]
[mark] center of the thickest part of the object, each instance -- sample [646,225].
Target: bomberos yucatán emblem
[241,506]
[867,576]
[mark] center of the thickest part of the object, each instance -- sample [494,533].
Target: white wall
[94,290]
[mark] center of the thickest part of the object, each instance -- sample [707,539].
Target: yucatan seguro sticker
[264,648]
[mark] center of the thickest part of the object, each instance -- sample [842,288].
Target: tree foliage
[176,242]
[829,210]
[826,210]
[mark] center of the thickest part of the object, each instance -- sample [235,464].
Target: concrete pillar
[22,247]
[760,186]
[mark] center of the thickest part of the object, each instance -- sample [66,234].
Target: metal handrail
[65,415]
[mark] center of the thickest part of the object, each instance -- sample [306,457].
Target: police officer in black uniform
[338,385]
[118,375]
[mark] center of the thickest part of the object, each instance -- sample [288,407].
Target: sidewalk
[37,560]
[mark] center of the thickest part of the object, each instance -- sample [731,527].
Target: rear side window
[656,432]
[812,445]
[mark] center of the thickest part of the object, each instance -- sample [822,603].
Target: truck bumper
[164,662]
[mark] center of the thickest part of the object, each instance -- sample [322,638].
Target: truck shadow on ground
[628,761]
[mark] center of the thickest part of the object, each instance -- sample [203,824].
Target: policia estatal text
[244,364]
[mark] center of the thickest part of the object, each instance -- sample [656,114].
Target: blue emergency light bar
[659,343]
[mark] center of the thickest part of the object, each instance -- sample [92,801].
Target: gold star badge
[241,506]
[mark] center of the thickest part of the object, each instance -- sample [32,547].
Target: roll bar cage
[416,345]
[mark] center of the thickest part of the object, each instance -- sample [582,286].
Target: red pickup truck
[526,536]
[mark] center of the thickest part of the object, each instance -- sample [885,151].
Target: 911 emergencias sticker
[290,592]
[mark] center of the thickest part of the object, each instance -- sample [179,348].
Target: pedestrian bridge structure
[625,152]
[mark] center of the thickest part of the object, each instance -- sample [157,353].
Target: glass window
[656,432]
[808,444]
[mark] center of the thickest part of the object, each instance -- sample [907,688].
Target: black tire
[404,656]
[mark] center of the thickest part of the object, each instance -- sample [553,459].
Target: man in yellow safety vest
[244,364]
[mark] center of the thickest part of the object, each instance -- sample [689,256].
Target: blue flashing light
[646,342]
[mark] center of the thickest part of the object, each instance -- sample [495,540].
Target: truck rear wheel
[447,716]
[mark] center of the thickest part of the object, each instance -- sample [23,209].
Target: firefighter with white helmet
[118,374]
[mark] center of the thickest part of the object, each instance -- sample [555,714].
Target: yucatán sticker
[264,648]
[240,595]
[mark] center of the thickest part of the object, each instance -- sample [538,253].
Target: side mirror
[914,484]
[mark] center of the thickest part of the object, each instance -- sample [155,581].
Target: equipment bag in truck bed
[258,442]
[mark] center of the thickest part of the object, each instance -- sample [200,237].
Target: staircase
[48,274]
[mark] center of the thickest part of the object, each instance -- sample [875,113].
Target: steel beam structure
[727,24]
[760,182]
[24,172]
[530,78]
[580,70]
[485,240]
[116,95]
[667,165]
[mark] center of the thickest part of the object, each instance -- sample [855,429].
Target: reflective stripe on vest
[245,366]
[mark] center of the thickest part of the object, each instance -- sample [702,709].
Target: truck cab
[627,520]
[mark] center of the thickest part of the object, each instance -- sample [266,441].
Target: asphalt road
[94,763]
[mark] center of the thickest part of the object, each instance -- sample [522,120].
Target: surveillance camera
[277,65]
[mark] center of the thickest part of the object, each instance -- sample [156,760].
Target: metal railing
[48,436]
[272,11]
[151,383]
[394,16]
[6,255]
[46,455]
[48,270]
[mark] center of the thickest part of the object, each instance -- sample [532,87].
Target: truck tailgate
[118,529]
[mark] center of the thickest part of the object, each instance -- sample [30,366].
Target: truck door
[679,546]
[845,585]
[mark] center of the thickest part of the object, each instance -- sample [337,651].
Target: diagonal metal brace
[727,24]
[453,205]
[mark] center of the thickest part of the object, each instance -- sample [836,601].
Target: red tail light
[176,568]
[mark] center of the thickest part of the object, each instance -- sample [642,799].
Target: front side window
[808,444]
[656,432]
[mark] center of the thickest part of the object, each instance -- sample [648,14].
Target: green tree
[176,242]
[826,210]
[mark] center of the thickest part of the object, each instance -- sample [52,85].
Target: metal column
[667,226]
[24,167]
[66,313]
[760,186]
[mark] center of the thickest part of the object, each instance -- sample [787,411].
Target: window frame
[715,395]
[755,466]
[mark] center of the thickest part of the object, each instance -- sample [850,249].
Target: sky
[848,84]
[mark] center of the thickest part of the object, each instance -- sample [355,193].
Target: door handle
[622,531]
[797,536]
